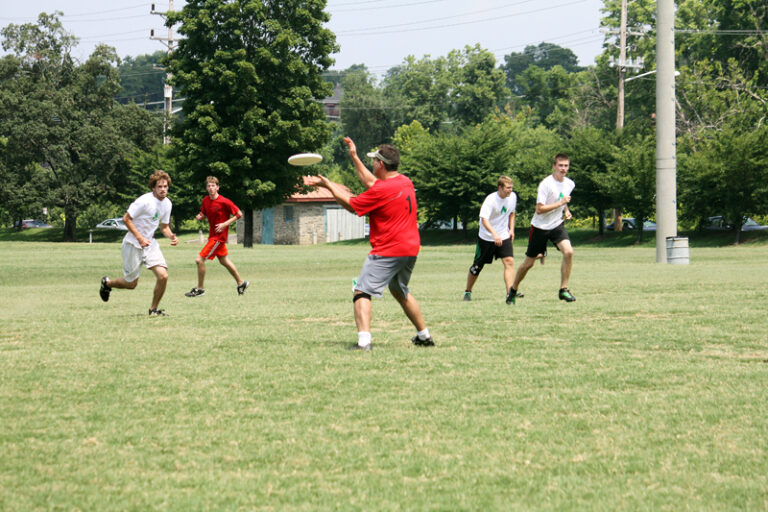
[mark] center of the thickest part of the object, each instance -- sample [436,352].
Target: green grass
[647,393]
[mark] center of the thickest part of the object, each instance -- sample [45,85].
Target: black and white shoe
[429,342]
[242,287]
[195,292]
[157,312]
[104,290]
[360,348]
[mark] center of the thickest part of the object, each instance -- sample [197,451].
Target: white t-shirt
[550,192]
[497,211]
[147,213]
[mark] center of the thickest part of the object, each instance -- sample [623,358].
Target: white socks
[363,339]
[423,335]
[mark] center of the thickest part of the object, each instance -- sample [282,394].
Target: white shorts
[133,257]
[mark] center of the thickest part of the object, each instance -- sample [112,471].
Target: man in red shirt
[221,212]
[390,203]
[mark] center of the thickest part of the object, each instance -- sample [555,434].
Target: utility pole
[167,88]
[622,66]
[666,156]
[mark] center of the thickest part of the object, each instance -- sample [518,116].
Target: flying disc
[305,159]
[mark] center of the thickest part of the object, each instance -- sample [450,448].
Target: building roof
[316,195]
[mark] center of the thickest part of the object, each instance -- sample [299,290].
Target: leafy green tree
[365,114]
[544,55]
[477,85]
[631,177]
[549,93]
[251,71]
[140,79]
[421,89]
[61,115]
[592,152]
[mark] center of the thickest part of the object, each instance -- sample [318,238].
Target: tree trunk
[601,219]
[248,228]
[70,226]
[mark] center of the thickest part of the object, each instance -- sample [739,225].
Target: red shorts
[214,248]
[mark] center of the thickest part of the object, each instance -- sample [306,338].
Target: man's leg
[411,308]
[522,270]
[161,273]
[200,261]
[227,263]
[471,278]
[120,282]
[566,249]
[509,272]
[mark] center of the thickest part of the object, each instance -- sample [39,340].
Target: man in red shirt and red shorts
[390,203]
[221,212]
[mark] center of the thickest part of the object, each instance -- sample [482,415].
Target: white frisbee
[302,159]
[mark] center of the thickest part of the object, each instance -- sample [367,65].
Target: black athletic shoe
[467,296]
[104,290]
[195,292]
[157,312]
[566,295]
[511,296]
[241,287]
[429,342]
[357,347]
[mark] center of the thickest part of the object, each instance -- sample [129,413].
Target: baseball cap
[377,154]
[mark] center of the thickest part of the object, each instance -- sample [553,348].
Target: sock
[423,335]
[363,338]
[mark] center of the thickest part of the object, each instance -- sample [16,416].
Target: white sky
[377,33]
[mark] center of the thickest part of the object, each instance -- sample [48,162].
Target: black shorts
[537,239]
[486,251]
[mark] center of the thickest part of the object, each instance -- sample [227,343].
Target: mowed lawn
[647,393]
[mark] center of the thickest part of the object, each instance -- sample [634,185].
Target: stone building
[310,218]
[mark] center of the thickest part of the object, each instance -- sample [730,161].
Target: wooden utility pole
[167,88]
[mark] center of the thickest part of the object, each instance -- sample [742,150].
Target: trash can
[677,250]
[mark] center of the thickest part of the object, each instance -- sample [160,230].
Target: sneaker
[429,342]
[241,287]
[195,292]
[566,295]
[104,290]
[520,295]
[511,296]
[157,312]
[357,347]
[467,296]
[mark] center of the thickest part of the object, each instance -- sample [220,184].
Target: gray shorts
[380,271]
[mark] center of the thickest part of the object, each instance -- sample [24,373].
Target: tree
[365,114]
[420,88]
[61,115]
[251,71]
[477,85]
[544,55]
[142,82]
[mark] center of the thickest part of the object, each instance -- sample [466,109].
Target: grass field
[647,393]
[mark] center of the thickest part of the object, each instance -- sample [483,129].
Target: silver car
[116,223]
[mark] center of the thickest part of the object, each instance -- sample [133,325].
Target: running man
[221,212]
[140,246]
[495,236]
[390,203]
[552,200]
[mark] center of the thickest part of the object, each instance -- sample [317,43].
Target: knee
[568,253]
[475,269]
[200,261]
[162,277]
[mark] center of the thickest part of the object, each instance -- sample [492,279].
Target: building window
[288,213]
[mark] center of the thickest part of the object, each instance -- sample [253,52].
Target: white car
[116,223]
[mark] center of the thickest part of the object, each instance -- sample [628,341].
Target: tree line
[74,137]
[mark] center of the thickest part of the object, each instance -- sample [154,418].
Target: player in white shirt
[139,245]
[495,235]
[552,200]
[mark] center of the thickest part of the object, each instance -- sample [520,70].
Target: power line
[372,30]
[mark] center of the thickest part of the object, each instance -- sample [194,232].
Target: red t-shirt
[218,210]
[391,207]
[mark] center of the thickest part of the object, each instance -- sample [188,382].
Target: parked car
[440,224]
[116,223]
[33,223]
[720,223]
[629,223]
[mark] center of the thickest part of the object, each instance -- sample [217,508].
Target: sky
[377,33]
